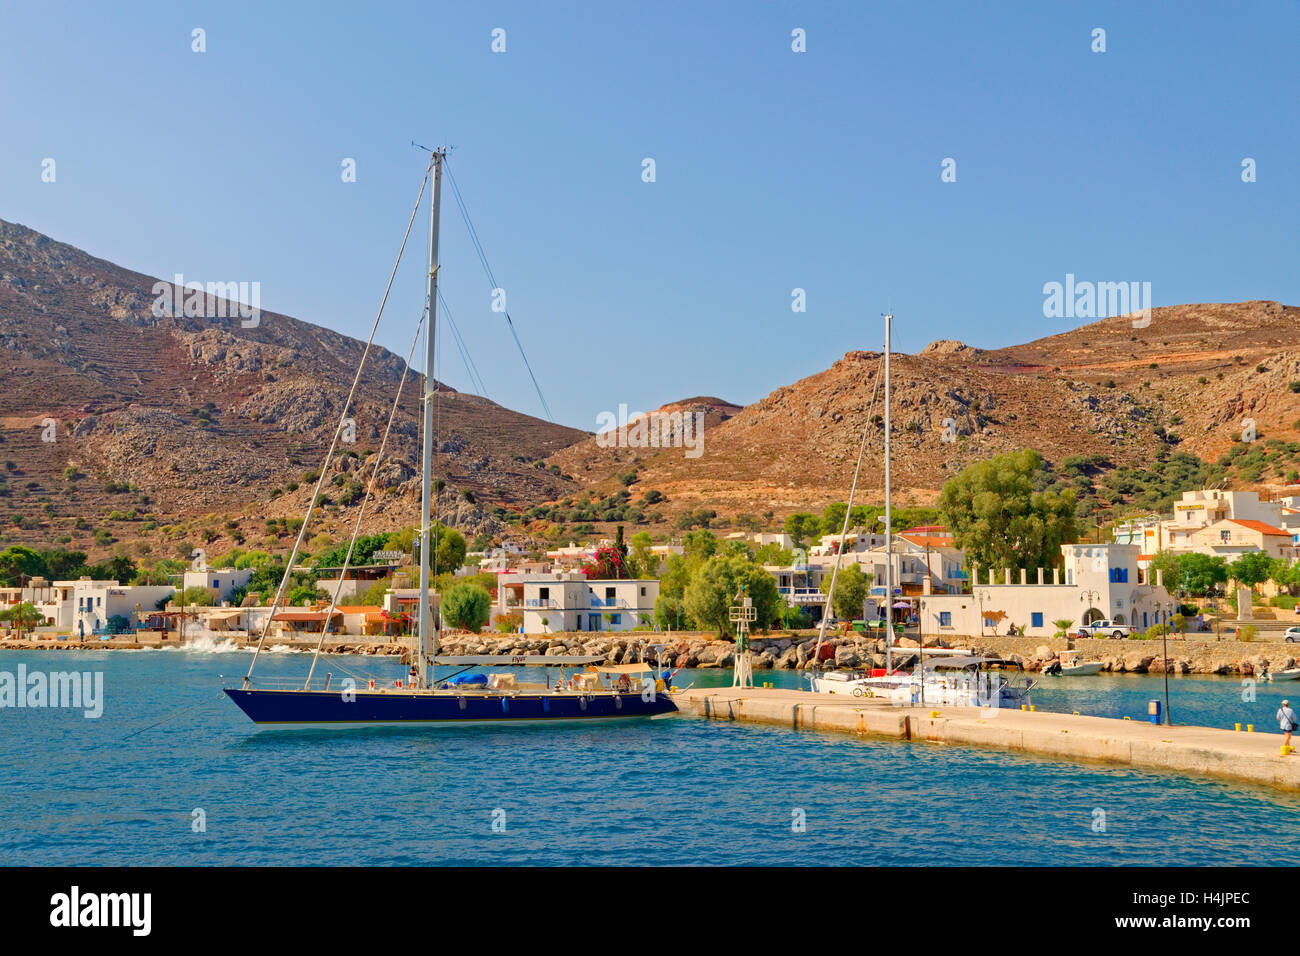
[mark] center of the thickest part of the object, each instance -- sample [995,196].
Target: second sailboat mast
[426,642]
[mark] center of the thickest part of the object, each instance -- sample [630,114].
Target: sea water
[173,773]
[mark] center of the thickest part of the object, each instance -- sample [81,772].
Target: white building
[1203,510]
[95,602]
[219,582]
[571,602]
[1099,581]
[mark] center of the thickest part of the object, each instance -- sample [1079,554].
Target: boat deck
[1254,757]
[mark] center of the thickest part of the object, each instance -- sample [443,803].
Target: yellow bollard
[934,713]
[1287,749]
[1023,707]
[1128,718]
[1033,707]
[1250,728]
[1237,727]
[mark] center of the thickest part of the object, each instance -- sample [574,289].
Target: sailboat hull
[362,709]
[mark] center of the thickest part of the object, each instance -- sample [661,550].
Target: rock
[1137,663]
[1043,652]
[846,656]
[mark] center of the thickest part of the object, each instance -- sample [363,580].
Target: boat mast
[426,640]
[889,527]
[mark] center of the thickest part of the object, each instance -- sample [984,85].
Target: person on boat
[624,684]
[410,682]
[1286,719]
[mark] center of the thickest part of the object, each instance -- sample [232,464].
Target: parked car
[1105,629]
[1292,635]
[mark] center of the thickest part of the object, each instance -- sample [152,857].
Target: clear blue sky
[775,170]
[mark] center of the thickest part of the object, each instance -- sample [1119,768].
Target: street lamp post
[1089,598]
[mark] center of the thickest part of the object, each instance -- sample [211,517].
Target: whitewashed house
[571,602]
[1098,581]
[219,582]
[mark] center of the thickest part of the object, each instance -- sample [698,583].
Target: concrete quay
[1251,757]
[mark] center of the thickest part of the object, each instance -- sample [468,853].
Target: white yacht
[948,680]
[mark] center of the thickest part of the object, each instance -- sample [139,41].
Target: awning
[304,616]
[621,668]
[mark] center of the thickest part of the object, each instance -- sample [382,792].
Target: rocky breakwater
[774,651]
[1185,656]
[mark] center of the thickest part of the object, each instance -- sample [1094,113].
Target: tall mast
[889,526]
[426,640]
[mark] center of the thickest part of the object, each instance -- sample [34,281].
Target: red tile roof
[1261,527]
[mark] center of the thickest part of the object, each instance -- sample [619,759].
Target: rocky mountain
[1192,380]
[196,423]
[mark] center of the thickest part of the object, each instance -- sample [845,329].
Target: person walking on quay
[1287,721]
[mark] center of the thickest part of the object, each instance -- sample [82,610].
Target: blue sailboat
[597,692]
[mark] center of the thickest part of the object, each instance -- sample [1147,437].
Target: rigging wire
[487,269]
[475,379]
[848,516]
[370,488]
[338,431]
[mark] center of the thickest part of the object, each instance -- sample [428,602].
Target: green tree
[18,565]
[1283,574]
[832,519]
[641,560]
[802,525]
[119,568]
[850,591]
[64,565]
[1251,568]
[449,554]
[998,518]
[23,617]
[714,587]
[1198,573]
[466,606]
[197,596]
[698,545]
[363,552]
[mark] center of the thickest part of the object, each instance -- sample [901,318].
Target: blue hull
[328,709]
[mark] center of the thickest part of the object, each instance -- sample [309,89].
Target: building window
[615,619]
[945,618]
[544,594]
[643,590]
[1036,619]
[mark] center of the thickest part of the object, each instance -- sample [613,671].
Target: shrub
[509,623]
[466,606]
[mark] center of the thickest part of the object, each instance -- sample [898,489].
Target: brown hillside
[202,416]
[1103,389]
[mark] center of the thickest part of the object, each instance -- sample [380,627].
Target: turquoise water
[682,790]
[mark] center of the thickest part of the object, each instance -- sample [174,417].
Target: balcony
[802,595]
